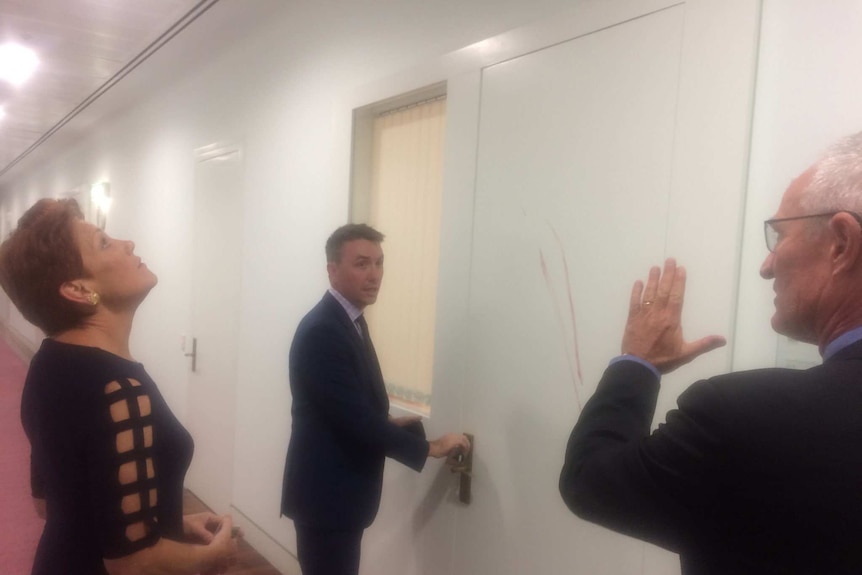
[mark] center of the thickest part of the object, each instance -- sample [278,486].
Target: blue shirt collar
[842,341]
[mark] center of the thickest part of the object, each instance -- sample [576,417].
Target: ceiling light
[17,63]
[2,113]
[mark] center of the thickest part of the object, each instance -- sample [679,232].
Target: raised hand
[653,330]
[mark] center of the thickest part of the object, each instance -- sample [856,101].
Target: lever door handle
[457,462]
[194,354]
[462,463]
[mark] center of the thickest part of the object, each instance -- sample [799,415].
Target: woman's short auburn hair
[39,257]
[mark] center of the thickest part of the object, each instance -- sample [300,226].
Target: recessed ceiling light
[17,63]
[2,113]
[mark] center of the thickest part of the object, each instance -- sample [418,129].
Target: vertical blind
[406,184]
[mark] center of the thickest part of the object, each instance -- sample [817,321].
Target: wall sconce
[100,200]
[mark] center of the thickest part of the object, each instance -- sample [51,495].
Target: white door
[597,157]
[572,199]
[579,152]
[215,323]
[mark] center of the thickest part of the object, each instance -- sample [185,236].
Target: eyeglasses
[771,234]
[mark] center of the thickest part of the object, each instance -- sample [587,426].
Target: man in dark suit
[341,430]
[755,472]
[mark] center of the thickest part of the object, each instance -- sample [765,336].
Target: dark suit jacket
[755,472]
[340,432]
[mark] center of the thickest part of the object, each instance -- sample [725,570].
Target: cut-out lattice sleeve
[124,491]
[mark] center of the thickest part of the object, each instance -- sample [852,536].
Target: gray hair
[837,181]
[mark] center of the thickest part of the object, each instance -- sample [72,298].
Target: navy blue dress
[80,408]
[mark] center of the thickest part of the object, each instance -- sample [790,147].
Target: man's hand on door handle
[443,446]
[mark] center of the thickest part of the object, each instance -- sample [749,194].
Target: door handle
[462,463]
[194,354]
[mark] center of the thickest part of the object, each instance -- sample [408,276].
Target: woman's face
[116,273]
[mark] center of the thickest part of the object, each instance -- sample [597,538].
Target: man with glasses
[758,471]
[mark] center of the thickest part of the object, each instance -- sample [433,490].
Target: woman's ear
[76,291]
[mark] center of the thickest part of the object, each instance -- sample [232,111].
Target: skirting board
[268,547]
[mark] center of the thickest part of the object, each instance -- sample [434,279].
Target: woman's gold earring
[93,298]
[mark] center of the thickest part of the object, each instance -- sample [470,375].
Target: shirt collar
[353,312]
[844,340]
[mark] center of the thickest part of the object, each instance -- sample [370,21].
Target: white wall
[808,94]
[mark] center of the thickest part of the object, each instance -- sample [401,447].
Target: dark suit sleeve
[341,397]
[651,486]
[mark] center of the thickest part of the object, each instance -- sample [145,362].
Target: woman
[107,454]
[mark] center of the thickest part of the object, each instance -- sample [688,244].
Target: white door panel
[575,155]
[215,323]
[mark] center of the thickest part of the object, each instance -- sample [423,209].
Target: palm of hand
[653,330]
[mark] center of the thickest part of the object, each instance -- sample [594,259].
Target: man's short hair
[837,181]
[348,233]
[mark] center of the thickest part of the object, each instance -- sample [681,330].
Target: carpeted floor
[20,527]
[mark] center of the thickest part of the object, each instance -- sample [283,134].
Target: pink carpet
[20,527]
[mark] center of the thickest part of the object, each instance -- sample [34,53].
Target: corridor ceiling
[84,48]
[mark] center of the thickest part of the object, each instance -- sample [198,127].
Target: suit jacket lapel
[368,355]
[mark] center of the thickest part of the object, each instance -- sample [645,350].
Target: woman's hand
[170,557]
[223,545]
[200,527]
